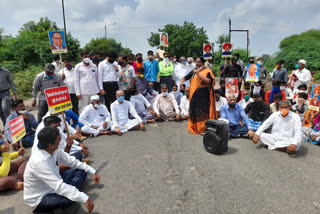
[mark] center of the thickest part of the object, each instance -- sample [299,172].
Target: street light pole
[64,21]
[105,29]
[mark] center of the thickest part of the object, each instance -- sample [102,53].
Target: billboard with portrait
[232,87]
[57,41]
[253,72]
[164,41]
[207,51]
[226,50]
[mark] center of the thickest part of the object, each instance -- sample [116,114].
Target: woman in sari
[202,100]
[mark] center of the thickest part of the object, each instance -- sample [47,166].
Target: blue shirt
[151,70]
[29,125]
[234,116]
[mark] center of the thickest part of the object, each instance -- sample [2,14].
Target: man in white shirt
[95,118]
[67,74]
[166,106]
[289,94]
[120,110]
[184,104]
[141,104]
[127,76]
[220,100]
[246,99]
[286,130]
[108,78]
[85,80]
[176,93]
[57,64]
[302,75]
[180,71]
[190,64]
[44,188]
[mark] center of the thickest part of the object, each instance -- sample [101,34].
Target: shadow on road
[231,150]
[9,210]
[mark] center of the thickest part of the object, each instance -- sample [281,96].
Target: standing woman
[202,100]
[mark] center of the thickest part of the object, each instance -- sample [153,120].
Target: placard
[207,51]
[164,41]
[58,99]
[17,129]
[57,41]
[232,87]
[253,72]
[226,50]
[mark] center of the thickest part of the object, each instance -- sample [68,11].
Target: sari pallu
[202,102]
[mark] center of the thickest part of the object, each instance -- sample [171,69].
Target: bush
[24,80]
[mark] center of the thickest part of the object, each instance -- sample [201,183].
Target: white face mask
[86,60]
[260,63]
[164,94]
[282,88]
[21,112]
[166,60]
[175,92]
[96,105]
[256,89]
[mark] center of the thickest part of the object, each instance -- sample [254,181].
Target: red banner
[17,128]
[58,99]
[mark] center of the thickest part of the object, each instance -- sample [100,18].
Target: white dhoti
[274,142]
[126,127]
[95,132]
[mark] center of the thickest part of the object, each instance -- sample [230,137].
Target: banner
[252,73]
[17,129]
[58,99]
[226,50]
[164,41]
[315,91]
[232,87]
[207,51]
[58,42]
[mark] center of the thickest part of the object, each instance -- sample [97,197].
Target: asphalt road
[166,170]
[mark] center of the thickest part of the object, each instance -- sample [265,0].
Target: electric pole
[229,29]
[64,21]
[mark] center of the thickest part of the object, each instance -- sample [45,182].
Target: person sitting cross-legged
[141,104]
[96,118]
[120,110]
[44,188]
[166,106]
[286,130]
[239,125]
[184,105]
[177,94]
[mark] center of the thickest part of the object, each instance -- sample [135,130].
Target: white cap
[302,61]
[94,97]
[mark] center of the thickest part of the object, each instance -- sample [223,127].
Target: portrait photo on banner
[164,41]
[207,51]
[226,50]
[57,41]
[253,72]
[315,91]
[232,87]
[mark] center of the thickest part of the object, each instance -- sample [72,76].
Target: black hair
[140,69]
[163,85]
[56,57]
[237,55]
[278,96]
[94,53]
[130,55]
[15,103]
[303,95]
[133,91]
[260,58]
[50,120]
[256,95]
[251,57]
[202,59]
[302,86]
[84,53]
[68,59]
[278,63]
[175,85]
[138,54]
[282,82]
[112,54]
[281,61]
[47,136]
[150,52]
[276,83]
[184,85]
[124,58]
[246,84]
[218,91]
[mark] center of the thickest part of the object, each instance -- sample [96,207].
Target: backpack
[215,139]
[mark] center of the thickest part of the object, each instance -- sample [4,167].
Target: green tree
[186,40]
[103,45]
[222,39]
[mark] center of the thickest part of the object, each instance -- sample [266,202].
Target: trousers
[237,131]
[4,106]
[168,81]
[42,109]
[75,103]
[110,88]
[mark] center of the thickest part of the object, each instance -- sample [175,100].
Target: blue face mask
[121,98]
[297,66]
[50,77]
[69,67]
[1,141]
[185,62]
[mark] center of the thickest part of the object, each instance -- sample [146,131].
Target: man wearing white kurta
[286,130]
[184,105]
[85,81]
[95,118]
[303,75]
[180,71]
[120,110]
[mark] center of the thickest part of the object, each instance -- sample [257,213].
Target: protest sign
[58,42]
[232,87]
[207,51]
[164,41]
[253,73]
[17,129]
[58,99]
[226,50]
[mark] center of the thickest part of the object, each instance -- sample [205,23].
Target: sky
[268,21]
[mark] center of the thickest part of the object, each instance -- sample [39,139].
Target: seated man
[166,106]
[96,118]
[246,99]
[258,88]
[286,130]
[30,124]
[284,87]
[140,104]
[177,95]
[302,89]
[44,188]
[120,110]
[184,105]
[143,87]
[220,100]
[301,106]
[270,95]
[182,89]
[275,106]
[239,125]
[257,111]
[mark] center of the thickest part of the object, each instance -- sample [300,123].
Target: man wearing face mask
[270,95]
[258,89]
[279,74]
[44,80]
[220,100]
[120,110]
[190,64]
[95,118]
[239,124]
[30,124]
[151,69]
[263,72]
[57,64]
[139,60]
[132,63]
[127,76]
[108,78]
[184,105]
[166,106]
[286,130]
[246,99]
[95,58]
[177,94]
[67,74]
[302,75]
[180,71]
[288,91]
[166,70]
